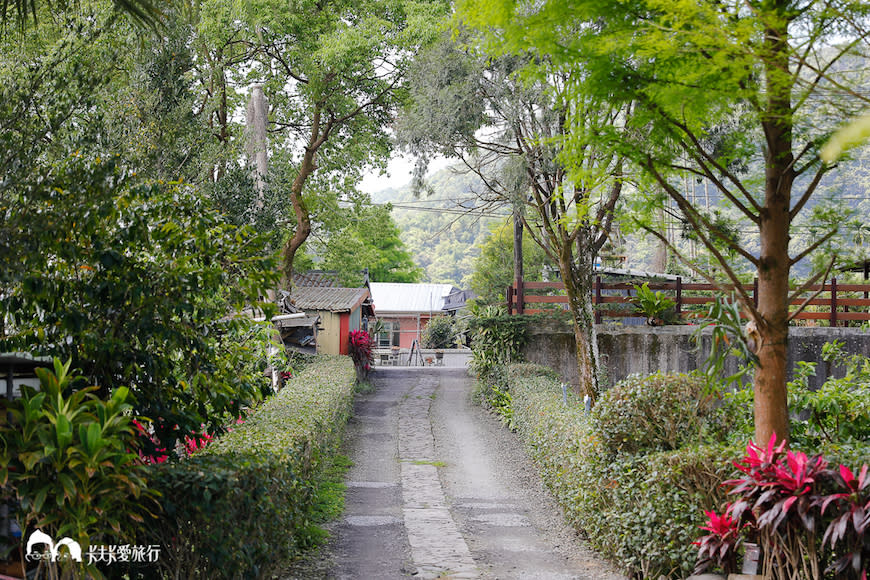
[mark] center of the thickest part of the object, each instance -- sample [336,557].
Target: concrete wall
[628,350]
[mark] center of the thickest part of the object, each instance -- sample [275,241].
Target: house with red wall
[339,310]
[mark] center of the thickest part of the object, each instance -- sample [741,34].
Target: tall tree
[368,238]
[506,118]
[494,267]
[333,72]
[28,12]
[716,84]
[105,264]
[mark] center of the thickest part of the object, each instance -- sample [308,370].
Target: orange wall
[409,333]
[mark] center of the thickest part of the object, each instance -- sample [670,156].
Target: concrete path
[439,490]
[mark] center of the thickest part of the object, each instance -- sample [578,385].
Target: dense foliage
[361,348]
[660,412]
[136,287]
[783,501]
[440,332]
[640,509]
[637,473]
[244,505]
[68,462]
[737,96]
[496,339]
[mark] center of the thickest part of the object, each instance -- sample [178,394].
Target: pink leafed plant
[785,501]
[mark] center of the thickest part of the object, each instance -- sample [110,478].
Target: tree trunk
[577,277]
[303,221]
[318,137]
[303,218]
[660,256]
[771,397]
[256,126]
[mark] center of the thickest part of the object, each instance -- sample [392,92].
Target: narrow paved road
[439,490]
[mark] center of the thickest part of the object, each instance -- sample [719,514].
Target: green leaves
[245,504]
[640,508]
[134,286]
[68,459]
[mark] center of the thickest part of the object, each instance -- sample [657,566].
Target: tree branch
[812,247]
[823,275]
[811,188]
[737,285]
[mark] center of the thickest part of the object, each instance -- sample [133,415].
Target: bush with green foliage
[637,473]
[839,411]
[68,461]
[496,339]
[135,283]
[833,419]
[640,509]
[660,412]
[244,505]
[440,332]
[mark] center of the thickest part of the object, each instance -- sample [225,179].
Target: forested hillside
[444,229]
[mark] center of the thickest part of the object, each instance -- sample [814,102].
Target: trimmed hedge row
[243,506]
[640,509]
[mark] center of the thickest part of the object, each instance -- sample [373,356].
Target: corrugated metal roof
[397,297]
[331,299]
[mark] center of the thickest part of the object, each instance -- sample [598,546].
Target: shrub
[496,339]
[440,332]
[786,502]
[642,510]
[67,459]
[361,352]
[839,411]
[660,412]
[139,296]
[243,505]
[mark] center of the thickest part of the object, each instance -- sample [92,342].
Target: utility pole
[518,256]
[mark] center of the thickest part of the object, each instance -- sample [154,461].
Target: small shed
[340,310]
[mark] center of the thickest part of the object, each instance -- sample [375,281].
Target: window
[389,336]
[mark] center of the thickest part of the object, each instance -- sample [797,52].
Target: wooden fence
[836,303]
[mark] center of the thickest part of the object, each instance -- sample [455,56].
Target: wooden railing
[835,303]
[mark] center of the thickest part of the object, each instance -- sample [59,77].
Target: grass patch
[365,387]
[329,498]
[435,463]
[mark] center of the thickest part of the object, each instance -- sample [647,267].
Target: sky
[399,173]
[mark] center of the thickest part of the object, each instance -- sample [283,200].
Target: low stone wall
[645,349]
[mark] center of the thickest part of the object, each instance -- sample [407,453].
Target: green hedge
[642,509]
[243,506]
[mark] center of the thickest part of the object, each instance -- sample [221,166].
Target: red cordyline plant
[785,501]
[361,352]
[721,545]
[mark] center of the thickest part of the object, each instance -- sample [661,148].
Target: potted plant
[654,304]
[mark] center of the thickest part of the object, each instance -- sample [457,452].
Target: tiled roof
[320,278]
[330,299]
[410,298]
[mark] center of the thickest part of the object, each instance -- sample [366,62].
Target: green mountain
[444,227]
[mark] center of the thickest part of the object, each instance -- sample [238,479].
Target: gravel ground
[423,452]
